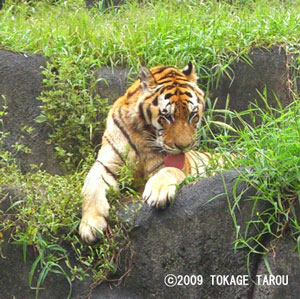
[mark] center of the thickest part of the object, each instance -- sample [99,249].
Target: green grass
[167,32]
[268,160]
[77,41]
[46,215]
[272,151]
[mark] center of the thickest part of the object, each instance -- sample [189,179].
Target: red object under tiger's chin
[177,160]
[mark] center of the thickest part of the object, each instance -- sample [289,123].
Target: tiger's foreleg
[160,189]
[95,207]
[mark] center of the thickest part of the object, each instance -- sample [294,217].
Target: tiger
[155,123]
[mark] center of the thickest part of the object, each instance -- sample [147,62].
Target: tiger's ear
[147,80]
[190,72]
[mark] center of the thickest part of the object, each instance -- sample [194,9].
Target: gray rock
[20,85]
[268,68]
[285,266]
[105,291]
[193,236]
[112,82]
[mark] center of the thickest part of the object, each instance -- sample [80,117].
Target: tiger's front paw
[160,189]
[90,227]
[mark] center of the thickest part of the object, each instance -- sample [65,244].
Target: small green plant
[3,113]
[74,114]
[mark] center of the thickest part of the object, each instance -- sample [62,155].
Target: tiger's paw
[90,227]
[160,189]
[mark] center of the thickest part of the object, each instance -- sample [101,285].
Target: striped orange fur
[156,119]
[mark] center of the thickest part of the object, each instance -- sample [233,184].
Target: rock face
[111,82]
[268,68]
[193,236]
[20,85]
[196,237]
[285,266]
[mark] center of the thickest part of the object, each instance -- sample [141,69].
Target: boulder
[20,85]
[265,69]
[193,237]
[112,82]
[283,282]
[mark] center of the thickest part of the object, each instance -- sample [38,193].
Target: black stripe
[141,110]
[165,82]
[189,87]
[172,74]
[122,129]
[131,93]
[155,101]
[168,95]
[162,69]
[114,148]
[206,154]
[107,169]
[108,185]
[185,85]
[161,90]
[186,93]
[149,113]
[148,97]
[182,79]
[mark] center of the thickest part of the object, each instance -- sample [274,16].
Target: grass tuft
[212,34]
[269,153]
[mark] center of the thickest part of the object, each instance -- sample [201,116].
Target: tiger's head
[172,105]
